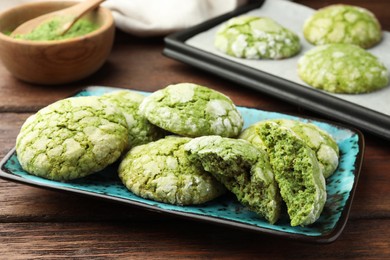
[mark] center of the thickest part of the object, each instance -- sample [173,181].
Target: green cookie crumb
[243,169]
[324,146]
[297,172]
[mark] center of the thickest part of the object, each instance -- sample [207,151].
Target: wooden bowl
[59,61]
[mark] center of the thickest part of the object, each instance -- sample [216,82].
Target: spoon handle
[78,11]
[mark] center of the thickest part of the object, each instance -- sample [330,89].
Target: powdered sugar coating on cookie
[342,68]
[141,131]
[161,171]
[72,138]
[343,24]
[253,37]
[192,110]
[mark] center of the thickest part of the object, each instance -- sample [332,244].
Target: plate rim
[329,237]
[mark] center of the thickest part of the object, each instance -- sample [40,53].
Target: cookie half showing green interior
[297,173]
[343,24]
[72,138]
[242,168]
[253,37]
[192,110]
[342,68]
[141,131]
[161,171]
[322,143]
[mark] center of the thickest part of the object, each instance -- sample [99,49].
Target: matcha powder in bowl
[47,31]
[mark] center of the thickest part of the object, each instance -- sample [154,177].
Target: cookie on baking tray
[243,169]
[141,131]
[161,171]
[192,110]
[253,37]
[72,138]
[323,145]
[342,68]
[343,24]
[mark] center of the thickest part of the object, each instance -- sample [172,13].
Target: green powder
[47,31]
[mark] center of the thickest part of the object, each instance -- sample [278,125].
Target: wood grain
[172,239]
[44,224]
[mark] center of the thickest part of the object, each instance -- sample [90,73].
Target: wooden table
[37,223]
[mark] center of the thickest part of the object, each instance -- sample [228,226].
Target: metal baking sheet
[369,112]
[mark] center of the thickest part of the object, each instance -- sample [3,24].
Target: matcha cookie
[343,24]
[72,138]
[242,168]
[253,37]
[297,173]
[141,131]
[342,68]
[324,146]
[161,171]
[191,110]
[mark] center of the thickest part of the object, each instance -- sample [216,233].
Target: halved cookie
[297,172]
[242,168]
[323,145]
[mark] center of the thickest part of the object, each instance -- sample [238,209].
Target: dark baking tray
[312,99]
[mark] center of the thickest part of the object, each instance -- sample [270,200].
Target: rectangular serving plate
[369,112]
[225,210]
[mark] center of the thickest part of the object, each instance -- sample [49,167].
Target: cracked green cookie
[192,110]
[71,138]
[161,171]
[141,131]
[242,168]
[253,37]
[324,146]
[343,24]
[297,172]
[342,68]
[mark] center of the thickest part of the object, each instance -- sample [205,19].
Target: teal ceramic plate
[226,210]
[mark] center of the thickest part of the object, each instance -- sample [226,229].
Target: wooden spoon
[66,18]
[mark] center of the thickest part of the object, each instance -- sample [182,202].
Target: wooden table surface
[38,223]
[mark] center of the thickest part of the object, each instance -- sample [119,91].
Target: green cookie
[343,24]
[342,68]
[141,131]
[242,168]
[253,37]
[161,171]
[191,110]
[297,173]
[71,138]
[324,146]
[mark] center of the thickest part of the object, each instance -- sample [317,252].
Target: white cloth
[157,17]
